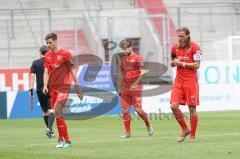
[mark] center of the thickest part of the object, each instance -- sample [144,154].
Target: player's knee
[57,114]
[139,110]
[192,110]
[174,106]
[125,110]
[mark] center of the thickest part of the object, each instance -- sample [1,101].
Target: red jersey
[58,65]
[130,66]
[186,75]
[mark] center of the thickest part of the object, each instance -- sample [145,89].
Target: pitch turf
[218,137]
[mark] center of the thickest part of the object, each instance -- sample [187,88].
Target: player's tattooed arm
[119,82]
[77,86]
[142,72]
[173,57]
[178,63]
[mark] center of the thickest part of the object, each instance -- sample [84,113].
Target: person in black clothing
[37,70]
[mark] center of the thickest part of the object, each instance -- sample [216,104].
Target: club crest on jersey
[59,58]
[55,65]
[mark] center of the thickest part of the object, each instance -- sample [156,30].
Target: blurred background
[86,26]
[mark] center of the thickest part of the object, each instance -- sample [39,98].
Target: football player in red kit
[131,88]
[186,56]
[58,68]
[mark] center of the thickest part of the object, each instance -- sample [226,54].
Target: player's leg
[181,121]
[177,97]
[60,102]
[41,99]
[126,103]
[137,103]
[144,117]
[51,118]
[192,96]
[48,113]
[193,122]
[60,124]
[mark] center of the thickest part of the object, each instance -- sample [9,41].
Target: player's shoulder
[137,55]
[194,45]
[37,61]
[175,46]
[47,53]
[65,52]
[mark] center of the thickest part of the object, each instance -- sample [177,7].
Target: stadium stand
[23,27]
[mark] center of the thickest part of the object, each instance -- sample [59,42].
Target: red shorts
[131,97]
[58,97]
[185,94]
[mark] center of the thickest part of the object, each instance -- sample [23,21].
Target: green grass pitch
[99,138]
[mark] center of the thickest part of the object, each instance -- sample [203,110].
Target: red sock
[144,117]
[193,122]
[179,117]
[127,121]
[65,132]
[60,128]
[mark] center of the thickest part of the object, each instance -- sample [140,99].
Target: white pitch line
[115,140]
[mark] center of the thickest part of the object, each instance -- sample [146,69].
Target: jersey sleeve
[46,63]
[33,68]
[197,53]
[140,62]
[69,61]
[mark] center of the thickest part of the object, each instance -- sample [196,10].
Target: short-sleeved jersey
[38,69]
[58,65]
[130,66]
[193,53]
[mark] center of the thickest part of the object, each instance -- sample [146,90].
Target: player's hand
[45,90]
[119,92]
[79,92]
[176,62]
[133,86]
[31,98]
[30,92]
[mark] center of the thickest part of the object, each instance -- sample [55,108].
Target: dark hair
[187,32]
[125,42]
[184,29]
[52,36]
[43,49]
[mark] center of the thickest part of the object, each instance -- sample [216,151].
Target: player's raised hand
[79,92]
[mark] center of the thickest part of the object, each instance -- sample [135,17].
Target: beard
[127,52]
[181,43]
